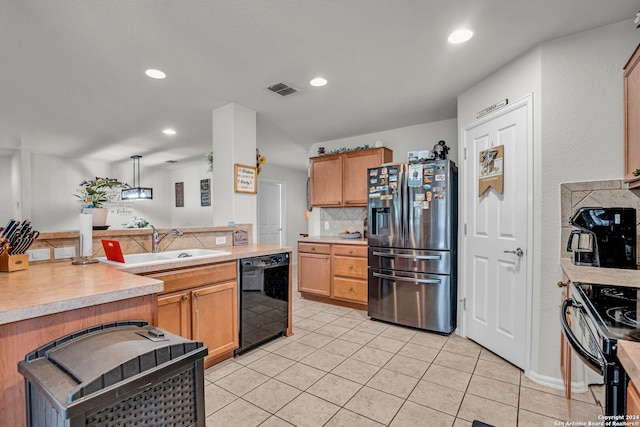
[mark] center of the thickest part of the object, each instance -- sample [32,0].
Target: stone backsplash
[575,195]
[135,241]
[341,219]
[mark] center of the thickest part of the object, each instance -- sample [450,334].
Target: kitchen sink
[164,257]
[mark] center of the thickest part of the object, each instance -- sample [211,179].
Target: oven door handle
[593,361]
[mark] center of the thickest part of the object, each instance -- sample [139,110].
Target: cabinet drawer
[350,289]
[314,248]
[176,280]
[350,267]
[350,250]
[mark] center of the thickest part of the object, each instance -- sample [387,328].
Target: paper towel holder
[82,259]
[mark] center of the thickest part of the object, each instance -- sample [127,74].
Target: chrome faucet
[157,239]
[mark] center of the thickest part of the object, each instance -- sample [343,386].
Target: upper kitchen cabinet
[341,179]
[632,120]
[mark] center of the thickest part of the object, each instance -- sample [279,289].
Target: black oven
[600,316]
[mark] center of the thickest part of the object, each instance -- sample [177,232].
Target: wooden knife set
[15,239]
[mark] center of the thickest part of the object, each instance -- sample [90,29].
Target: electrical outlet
[39,254]
[62,253]
[326,225]
[221,240]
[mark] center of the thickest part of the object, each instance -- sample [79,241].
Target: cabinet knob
[196,294]
[636,172]
[350,251]
[313,248]
[185,297]
[561,284]
[351,289]
[351,267]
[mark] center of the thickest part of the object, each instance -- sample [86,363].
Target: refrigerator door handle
[390,255]
[406,279]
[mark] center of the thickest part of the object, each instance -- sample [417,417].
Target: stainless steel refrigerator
[413,224]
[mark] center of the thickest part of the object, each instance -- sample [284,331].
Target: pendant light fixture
[137,192]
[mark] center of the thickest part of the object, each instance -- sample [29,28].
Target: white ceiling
[72,77]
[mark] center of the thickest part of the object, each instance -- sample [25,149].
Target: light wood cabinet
[201,303]
[333,273]
[214,316]
[314,269]
[350,273]
[632,120]
[565,347]
[633,401]
[341,179]
[174,313]
[326,180]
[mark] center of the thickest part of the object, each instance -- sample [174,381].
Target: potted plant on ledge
[94,193]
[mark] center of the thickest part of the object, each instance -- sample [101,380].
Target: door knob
[518,252]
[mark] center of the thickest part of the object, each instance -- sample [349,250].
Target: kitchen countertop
[629,355]
[333,239]
[55,287]
[599,275]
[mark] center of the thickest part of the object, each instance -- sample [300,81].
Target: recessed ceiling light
[460,36]
[169,131]
[155,74]
[318,81]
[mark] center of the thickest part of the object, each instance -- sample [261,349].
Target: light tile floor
[342,369]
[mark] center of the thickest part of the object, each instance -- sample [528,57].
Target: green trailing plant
[209,158]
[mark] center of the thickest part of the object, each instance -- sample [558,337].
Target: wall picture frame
[179,194]
[205,192]
[245,179]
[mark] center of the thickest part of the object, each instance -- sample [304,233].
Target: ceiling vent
[282,89]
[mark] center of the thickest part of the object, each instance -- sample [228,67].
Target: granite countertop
[333,239]
[599,275]
[49,288]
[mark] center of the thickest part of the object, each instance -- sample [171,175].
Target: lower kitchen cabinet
[201,303]
[565,347]
[333,273]
[633,400]
[314,268]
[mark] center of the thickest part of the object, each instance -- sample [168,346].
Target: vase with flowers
[260,160]
[94,193]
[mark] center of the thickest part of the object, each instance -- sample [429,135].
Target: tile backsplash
[341,219]
[575,195]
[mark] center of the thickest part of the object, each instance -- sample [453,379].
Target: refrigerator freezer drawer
[414,260]
[425,301]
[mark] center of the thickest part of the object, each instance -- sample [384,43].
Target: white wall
[295,199]
[576,83]
[6,207]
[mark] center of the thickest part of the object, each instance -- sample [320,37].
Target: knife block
[13,262]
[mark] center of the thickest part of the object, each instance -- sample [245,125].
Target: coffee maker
[606,237]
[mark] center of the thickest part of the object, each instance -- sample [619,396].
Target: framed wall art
[179,194]
[205,192]
[245,179]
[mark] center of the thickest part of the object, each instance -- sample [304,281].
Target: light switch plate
[221,240]
[62,253]
[39,254]
[326,225]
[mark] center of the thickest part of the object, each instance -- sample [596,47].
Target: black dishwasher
[264,299]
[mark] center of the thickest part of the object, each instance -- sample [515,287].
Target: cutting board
[112,250]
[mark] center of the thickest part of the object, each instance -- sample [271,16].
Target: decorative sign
[491,169]
[245,179]
[240,238]
[179,194]
[205,192]
[492,108]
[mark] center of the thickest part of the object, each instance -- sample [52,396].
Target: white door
[496,260]
[270,198]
